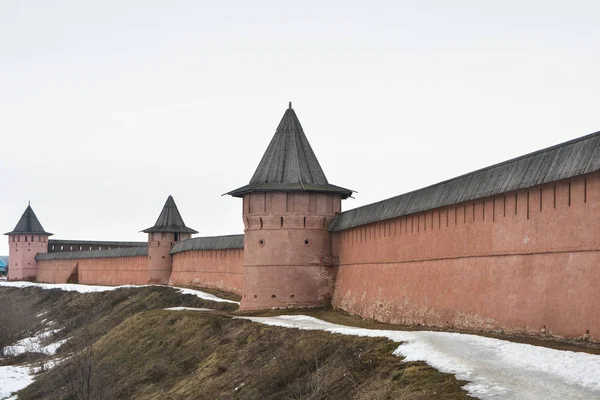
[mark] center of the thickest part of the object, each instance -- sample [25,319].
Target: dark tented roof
[105,253]
[29,224]
[576,157]
[289,164]
[210,243]
[170,220]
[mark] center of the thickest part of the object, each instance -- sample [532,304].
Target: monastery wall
[114,271]
[102,267]
[55,271]
[218,269]
[526,261]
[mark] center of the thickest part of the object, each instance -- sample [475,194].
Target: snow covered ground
[496,369]
[13,379]
[16,377]
[188,309]
[73,287]
[34,344]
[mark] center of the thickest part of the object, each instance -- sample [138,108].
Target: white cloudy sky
[107,107]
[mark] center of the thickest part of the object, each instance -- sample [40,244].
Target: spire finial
[29,202]
[290,105]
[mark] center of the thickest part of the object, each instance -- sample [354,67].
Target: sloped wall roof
[210,243]
[576,157]
[104,253]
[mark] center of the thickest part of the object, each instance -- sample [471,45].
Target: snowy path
[496,369]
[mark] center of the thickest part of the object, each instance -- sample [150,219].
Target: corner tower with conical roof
[24,242]
[168,230]
[287,207]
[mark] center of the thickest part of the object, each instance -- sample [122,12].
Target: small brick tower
[24,242]
[287,208]
[168,230]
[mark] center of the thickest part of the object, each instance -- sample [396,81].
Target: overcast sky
[107,107]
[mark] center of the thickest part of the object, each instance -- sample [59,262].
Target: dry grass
[137,350]
[183,355]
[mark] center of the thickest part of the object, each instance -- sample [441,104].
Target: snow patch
[33,344]
[204,295]
[496,369]
[188,309]
[75,287]
[13,379]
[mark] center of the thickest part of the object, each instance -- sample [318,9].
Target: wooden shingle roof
[104,253]
[566,160]
[289,164]
[29,224]
[210,243]
[170,220]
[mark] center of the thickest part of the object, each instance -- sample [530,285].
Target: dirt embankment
[122,344]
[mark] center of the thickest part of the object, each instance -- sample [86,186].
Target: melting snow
[205,296]
[33,344]
[74,287]
[188,309]
[13,379]
[496,369]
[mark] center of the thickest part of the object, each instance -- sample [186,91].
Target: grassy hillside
[124,345]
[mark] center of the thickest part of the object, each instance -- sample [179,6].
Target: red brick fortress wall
[55,271]
[96,271]
[526,261]
[218,269]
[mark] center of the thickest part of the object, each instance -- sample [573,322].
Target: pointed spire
[289,164]
[29,224]
[170,220]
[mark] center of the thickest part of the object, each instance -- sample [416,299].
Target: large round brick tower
[168,230]
[24,242]
[287,208]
